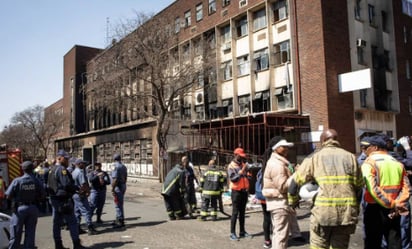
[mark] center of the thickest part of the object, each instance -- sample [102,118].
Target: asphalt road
[147,227]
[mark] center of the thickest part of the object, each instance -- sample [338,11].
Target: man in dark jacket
[25,192]
[173,191]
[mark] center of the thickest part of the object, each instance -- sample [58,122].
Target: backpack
[258,186]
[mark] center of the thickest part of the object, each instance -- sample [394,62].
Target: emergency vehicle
[10,160]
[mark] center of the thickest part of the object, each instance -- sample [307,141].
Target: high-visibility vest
[385,179]
[243,182]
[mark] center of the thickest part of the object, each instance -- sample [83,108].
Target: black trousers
[378,225]
[267,223]
[175,205]
[239,201]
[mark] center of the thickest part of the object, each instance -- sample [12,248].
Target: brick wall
[323,53]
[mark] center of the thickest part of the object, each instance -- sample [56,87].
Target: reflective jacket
[386,181]
[237,181]
[336,172]
[212,182]
[174,182]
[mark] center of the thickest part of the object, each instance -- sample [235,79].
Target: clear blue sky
[36,34]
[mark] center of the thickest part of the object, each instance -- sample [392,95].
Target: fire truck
[10,160]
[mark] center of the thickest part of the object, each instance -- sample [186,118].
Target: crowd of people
[70,192]
[376,183]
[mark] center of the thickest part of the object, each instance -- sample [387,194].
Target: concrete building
[285,67]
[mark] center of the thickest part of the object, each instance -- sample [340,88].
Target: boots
[81,231]
[78,245]
[91,230]
[119,223]
[59,245]
[99,220]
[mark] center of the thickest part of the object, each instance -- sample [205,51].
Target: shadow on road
[112,244]
[108,227]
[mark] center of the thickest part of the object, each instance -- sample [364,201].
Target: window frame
[199,12]
[188,18]
[212,7]
[261,59]
[280,10]
[243,65]
[225,3]
[177,25]
[227,70]
[357,10]
[279,50]
[371,15]
[226,34]
[242,27]
[259,19]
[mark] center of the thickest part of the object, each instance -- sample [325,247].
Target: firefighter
[386,195]
[336,207]
[239,185]
[25,192]
[173,191]
[211,183]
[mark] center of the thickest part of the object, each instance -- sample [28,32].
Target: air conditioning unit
[227,46]
[360,43]
[285,101]
[199,99]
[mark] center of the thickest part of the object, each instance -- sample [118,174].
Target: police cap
[63,153]
[117,157]
[27,165]
[376,140]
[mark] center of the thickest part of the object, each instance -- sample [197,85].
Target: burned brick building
[276,67]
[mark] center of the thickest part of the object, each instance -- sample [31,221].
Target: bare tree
[147,73]
[30,132]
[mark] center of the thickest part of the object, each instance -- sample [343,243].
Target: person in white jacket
[275,189]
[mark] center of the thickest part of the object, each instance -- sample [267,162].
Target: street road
[147,227]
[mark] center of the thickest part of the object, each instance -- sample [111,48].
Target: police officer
[81,203]
[43,174]
[61,187]
[119,179]
[98,180]
[25,192]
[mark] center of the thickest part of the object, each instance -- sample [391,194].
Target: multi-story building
[278,69]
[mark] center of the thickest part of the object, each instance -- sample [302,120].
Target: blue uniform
[25,192]
[43,175]
[62,203]
[120,175]
[81,203]
[98,180]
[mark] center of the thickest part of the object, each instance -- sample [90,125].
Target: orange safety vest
[243,182]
